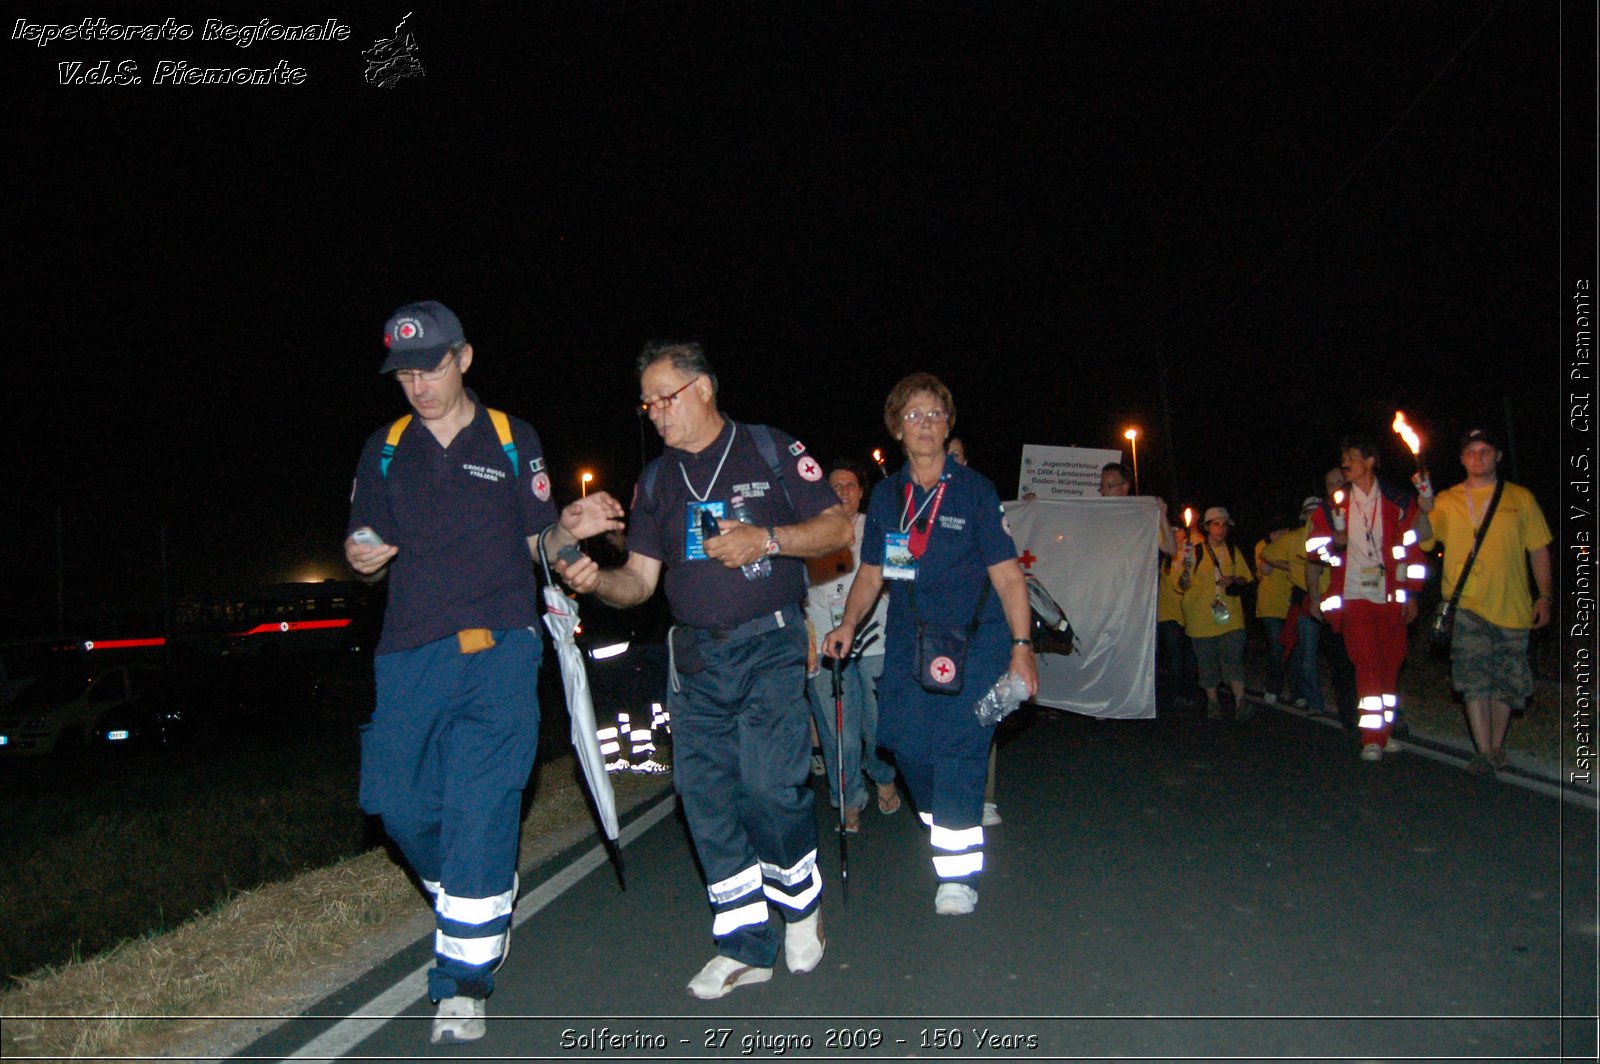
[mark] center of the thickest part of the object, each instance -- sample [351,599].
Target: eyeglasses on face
[661,404]
[407,376]
[932,417]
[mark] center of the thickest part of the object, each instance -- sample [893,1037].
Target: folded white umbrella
[561,618]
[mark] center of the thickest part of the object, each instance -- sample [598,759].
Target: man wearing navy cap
[740,719]
[448,503]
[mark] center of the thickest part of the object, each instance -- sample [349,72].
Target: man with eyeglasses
[448,503]
[740,718]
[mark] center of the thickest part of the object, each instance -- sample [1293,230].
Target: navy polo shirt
[966,537]
[461,518]
[705,593]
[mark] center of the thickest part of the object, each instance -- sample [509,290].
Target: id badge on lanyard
[898,561]
[694,540]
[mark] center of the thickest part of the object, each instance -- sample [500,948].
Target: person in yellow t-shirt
[1273,591]
[1175,664]
[1213,613]
[1289,552]
[1489,648]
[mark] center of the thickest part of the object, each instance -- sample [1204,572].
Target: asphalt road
[1160,890]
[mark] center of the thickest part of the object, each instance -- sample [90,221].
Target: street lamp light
[584,480]
[1132,436]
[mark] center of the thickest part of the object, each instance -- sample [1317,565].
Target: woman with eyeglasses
[958,620]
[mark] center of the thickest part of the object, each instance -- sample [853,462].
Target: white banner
[1054,473]
[1097,558]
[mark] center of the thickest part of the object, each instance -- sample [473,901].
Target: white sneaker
[955,899]
[803,943]
[991,815]
[721,974]
[617,765]
[1372,752]
[650,767]
[460,1019]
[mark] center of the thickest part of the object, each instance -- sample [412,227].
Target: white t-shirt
[829,579]
[1365,576]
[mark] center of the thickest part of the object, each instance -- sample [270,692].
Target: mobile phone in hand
[708,525]
[366,537]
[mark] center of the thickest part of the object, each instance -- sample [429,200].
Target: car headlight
[610,650]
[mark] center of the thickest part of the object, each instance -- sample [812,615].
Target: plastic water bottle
[761,568]
[1002,699]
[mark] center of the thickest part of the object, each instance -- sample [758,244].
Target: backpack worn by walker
[760,434]
[502,429]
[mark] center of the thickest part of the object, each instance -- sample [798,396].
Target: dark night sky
[1311,213]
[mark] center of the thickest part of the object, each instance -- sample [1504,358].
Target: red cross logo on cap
[408,330]
[942,669]
[809,468]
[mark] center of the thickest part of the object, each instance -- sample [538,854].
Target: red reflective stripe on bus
[122,644]
[295,626]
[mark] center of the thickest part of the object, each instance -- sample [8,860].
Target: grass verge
[267,952]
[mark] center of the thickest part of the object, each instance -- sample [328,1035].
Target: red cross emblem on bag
[942,669]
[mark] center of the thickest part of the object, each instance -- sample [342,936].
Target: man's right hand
[368,560]
[837,643]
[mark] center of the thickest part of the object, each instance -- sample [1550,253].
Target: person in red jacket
[1372,540]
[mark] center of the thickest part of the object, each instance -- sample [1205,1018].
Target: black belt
[767,622]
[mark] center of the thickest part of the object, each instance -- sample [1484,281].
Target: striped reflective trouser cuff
[958,852]
[737,902]
[795,888]
[470,939]
[1370,710]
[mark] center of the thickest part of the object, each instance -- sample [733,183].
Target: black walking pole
[836,666]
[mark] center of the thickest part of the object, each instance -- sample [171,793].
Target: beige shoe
[803,943]
[460,1019]
[721,974]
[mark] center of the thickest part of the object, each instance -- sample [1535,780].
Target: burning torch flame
[1338,497]
[1407,433]
[1413,441]
[1188,517]
[877,456]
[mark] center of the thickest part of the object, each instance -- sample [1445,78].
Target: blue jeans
[859,686]
[1304,681]
[1273,682]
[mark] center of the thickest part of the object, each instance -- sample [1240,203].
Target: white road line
[338,1040]
[1450,756]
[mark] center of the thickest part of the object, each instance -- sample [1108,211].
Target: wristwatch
[772,542]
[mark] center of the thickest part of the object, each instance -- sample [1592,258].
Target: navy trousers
[742,768]
[444,762]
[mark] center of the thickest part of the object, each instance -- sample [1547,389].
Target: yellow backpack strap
[502,429]
[390,443]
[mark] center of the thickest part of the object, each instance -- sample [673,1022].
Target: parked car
[162,712]
[71,708]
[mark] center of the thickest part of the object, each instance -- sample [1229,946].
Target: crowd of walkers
[916,602]
[1341,588]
